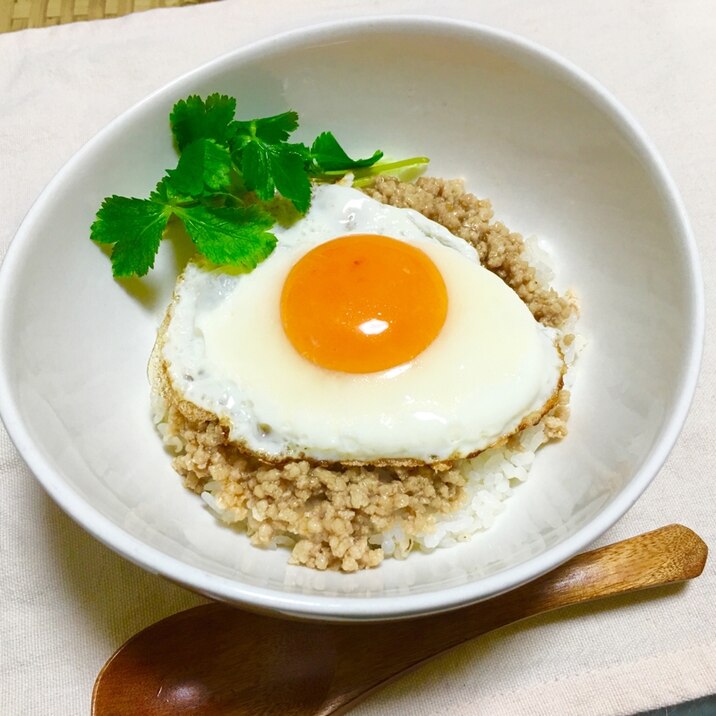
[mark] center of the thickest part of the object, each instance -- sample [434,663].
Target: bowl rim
[371,608]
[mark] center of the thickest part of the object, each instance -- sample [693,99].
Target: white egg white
[491,365]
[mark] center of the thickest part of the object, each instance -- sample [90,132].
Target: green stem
[363,175]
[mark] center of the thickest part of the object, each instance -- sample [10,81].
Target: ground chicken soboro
[328,514]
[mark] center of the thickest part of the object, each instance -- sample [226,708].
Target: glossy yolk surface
[363,303]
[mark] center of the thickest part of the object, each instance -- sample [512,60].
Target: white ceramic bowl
[559,158]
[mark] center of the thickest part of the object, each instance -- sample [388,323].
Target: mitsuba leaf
[203,165]
[328,155]
[135,228]
[236,236]
[194,118]
[272,130]
[166,193]
[268,167]
[220,160]
[289,175]
[256,169]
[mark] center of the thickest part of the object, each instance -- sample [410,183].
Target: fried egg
[371,334]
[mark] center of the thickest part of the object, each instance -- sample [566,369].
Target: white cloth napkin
[68,602]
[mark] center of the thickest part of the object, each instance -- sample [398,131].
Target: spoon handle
[669,554]
[219,661]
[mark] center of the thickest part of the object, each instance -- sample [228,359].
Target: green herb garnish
[222,161]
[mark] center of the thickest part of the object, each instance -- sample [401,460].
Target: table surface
[23,14]
[69,601]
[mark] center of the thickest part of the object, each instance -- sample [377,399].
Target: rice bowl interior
[557,156]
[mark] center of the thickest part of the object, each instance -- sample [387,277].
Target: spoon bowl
[217,660]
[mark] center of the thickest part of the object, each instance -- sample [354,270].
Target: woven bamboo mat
[21,14]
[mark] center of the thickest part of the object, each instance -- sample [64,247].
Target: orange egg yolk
[363,303]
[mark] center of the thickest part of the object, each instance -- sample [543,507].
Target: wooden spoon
[215,660]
